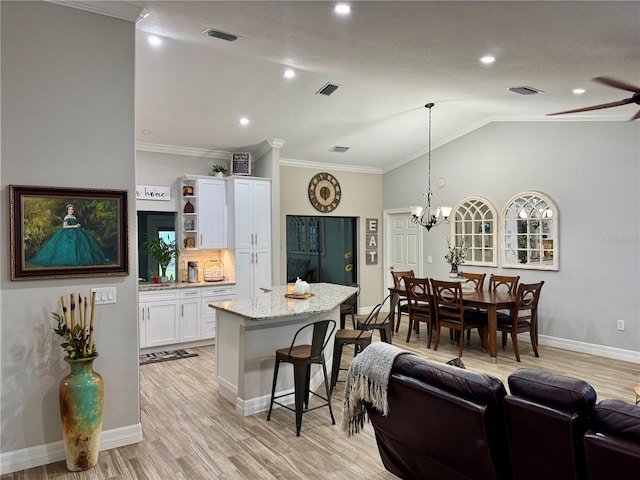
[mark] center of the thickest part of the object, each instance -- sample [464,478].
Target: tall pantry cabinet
[250,233]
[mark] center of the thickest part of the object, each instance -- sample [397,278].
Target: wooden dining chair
[420,306]
[504,283]
[475,281]
[399,286]
[384,324]
[524,318]
[450,313]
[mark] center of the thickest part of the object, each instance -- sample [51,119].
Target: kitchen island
[248,332]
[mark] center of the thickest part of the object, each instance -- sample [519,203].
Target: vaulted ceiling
[387,58]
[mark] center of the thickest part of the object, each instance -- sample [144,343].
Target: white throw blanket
[367,381]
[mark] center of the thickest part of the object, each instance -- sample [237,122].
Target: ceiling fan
[612,82]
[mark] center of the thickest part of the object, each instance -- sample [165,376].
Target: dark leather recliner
[547,417]
[444,423]
[612,444]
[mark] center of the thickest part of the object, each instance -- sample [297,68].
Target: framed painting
[60,232]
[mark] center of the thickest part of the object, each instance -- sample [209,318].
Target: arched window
[474,221]
[530,235]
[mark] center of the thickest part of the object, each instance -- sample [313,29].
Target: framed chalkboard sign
[240,164]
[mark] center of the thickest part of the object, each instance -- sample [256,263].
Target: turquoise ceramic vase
[81,404]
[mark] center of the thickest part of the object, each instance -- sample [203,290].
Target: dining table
[483,300]
[491,302]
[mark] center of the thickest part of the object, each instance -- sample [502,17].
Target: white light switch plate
[104,295]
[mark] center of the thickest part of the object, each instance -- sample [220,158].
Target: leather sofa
[448,423]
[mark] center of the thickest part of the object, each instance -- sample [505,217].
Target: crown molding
[121,10]
[186,151]
[288,162]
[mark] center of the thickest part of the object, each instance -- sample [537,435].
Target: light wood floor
[191,433]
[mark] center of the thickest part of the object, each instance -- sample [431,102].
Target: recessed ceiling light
[288,73]
[488,59]
[342,9]
[578,91]
[154,41]
[244,121]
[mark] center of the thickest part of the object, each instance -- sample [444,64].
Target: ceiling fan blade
[636,116]
[612,82]
[595,107]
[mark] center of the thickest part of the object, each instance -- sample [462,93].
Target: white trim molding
[591,349]
[186,151]
[121,10]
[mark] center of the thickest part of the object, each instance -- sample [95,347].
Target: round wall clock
[324,192]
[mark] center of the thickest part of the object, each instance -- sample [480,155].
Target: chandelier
[429,216]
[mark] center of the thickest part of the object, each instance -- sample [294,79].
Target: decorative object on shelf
[455,256]
[82,391]
[429,216]
[241,163]
[189,224]
[324,192]
[189,242]
[60,232]
[188,207]
[187,191]
[213,272]
[218,170]
[163,252]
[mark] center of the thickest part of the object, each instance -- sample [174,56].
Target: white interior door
[404,239]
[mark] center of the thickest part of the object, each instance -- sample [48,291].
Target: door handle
[182,310]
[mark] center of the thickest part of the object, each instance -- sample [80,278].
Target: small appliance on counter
[213,271]
[192,272]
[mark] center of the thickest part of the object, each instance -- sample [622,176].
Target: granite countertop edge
[273,305]
[154,287]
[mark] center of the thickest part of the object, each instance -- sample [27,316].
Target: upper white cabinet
[250,208]
[203,213]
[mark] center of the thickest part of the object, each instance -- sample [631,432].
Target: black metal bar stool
[360,339]
[302,357]
[385,325]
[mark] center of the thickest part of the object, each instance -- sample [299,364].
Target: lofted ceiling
[388,59]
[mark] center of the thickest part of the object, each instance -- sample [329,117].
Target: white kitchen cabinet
[190,327]
[250,207]
[252,210]
[158,318]
[215,294]
[203,215]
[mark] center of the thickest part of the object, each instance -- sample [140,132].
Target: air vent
[229,37]
[338,149]
[525,90]
[328,89]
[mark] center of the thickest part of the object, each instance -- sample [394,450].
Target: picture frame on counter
[62,232]
[241,163]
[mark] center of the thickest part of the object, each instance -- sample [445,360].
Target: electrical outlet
[620,324]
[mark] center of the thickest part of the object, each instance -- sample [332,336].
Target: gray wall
[67,90]
[591,171]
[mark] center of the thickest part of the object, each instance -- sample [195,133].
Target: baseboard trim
[590,348]
[25,458]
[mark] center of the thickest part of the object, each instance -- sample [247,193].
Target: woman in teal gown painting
[71,246]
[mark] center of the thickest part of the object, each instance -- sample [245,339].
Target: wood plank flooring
[191,433]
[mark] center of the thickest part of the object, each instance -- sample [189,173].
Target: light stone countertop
[273,304]
[152,287]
